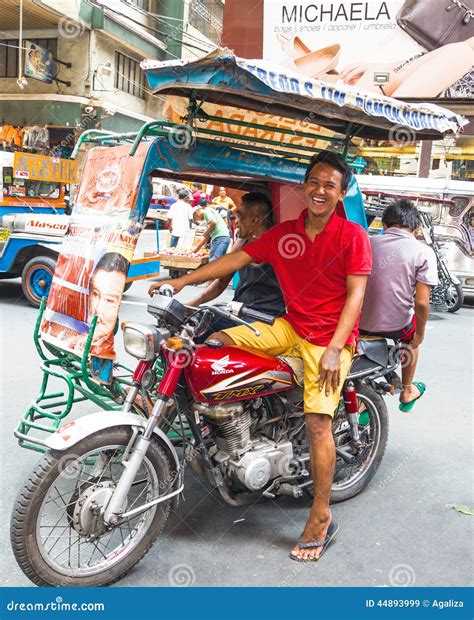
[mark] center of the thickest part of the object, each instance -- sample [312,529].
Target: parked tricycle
[103,491]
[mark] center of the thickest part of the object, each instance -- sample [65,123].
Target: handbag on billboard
[434,23]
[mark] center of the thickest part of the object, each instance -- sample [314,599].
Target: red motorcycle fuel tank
[229,374]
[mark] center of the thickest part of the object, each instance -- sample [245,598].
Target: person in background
[397,298]
[196,191]
[180,216]
[223,203]
[216,230]
[258,286]
[198,194]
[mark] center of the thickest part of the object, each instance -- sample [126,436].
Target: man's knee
[318,425]
[221,337]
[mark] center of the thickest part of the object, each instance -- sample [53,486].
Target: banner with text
[405,49]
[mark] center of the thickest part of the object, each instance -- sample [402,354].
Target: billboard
[95,255]
[39,63]
[407,49]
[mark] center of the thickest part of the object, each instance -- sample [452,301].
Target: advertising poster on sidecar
[92,267]
[417,49]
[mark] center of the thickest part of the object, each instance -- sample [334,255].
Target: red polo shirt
[312,275]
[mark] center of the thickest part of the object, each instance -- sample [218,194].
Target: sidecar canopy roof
[258,85]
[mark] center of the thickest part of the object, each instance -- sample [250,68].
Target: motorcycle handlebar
[166,290]
[255,315]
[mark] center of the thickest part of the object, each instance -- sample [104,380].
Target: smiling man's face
[323,189]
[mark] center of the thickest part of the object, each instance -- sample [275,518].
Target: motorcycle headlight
[141,341]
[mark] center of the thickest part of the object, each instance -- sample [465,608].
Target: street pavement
[402,530]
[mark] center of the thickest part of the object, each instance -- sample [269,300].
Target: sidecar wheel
[50,525]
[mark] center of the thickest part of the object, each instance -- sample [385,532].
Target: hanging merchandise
[39,138]
[10,136]
[36,137]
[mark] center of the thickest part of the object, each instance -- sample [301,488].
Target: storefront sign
[56,225]
[273,127]
[44,168]
[362,44]
[39,63]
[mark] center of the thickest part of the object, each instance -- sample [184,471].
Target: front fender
[76,430]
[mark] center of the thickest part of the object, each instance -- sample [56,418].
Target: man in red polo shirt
[322,262]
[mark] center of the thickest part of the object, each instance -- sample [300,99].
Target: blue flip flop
[407,407]
[331,533]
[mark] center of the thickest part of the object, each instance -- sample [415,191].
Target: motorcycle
[103,491]
[448,295]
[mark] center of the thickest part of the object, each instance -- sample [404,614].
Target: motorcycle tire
[454,297]
[27,514]
[378,407]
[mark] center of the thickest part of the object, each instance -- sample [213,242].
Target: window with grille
[206,16]
[9,54]
[141,4]
[128,76]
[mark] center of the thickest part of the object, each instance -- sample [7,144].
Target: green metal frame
[46,412]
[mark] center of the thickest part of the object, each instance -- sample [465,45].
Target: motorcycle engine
[253,460]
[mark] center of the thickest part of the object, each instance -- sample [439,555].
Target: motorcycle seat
[375,349]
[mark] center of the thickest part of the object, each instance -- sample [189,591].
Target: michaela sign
[404,49]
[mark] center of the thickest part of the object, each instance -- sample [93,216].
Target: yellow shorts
[281,339]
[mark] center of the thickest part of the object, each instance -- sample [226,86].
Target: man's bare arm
[422,312]
[206,236]
[224,266]
[330,362]
[218,286]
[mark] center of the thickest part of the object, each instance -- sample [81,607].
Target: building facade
[72,65]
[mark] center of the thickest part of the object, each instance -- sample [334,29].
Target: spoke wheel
[350,478]
[58,532]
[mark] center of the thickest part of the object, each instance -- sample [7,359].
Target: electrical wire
[163,19]
[155,30]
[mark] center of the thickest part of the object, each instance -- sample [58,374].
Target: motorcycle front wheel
[57,533]
[454,297]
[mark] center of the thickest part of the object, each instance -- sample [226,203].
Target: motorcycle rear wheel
[350,480]
[38,524]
